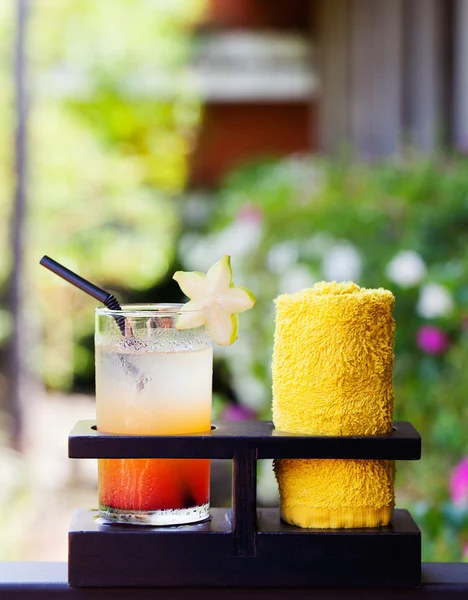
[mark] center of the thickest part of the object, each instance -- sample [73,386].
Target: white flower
[434,301]
[282,256]
[197,252]
[267,488]
[240,238]
[308,176]
[406,268]
[317,245]
[197,209]
[342,263]
[296,279]
[252,391]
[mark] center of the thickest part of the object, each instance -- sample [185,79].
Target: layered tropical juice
[156,380]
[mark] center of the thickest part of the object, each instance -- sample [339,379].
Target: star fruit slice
[214,301]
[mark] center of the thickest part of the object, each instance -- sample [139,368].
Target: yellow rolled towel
[332,375]
[335,494]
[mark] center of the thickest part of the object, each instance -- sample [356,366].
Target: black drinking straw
[109,300]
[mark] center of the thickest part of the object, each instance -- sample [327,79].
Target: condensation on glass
[152,380]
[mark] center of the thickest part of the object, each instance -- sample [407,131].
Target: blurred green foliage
[401,225]
[111,124]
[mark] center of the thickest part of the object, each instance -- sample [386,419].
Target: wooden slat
[375,76]
[229,438]
[386,74]
[44,581]
[426,73]
[332,34]
[460,92]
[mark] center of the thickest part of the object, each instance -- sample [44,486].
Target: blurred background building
[309,139]
[316,75]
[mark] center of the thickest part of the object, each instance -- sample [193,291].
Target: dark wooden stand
[244,546]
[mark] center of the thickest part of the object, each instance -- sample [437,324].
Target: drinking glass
[152,379]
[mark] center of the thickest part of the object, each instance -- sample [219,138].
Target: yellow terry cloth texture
[332,375]
[324,494]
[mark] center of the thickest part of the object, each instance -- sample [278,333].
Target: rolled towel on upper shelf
[332,375]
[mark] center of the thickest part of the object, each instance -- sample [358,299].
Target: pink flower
[237,412]
[459,483]
[250,214]
[432,340]
[465,553]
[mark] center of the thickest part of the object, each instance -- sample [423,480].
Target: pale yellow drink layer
[171,395]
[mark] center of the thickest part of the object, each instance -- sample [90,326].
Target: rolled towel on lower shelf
[332,375]
[335,493]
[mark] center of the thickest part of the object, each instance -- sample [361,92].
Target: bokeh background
[309,139]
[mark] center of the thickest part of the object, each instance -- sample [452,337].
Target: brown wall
[236,133]
[233,134]
[259,14]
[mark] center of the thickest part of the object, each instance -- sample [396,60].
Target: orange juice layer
[153,483]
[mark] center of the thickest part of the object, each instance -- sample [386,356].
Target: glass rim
[157,309]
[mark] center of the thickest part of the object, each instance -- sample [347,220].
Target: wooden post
[360,64]
[244,501]
[332,45]
[18,350]
[375,76]
[426,78]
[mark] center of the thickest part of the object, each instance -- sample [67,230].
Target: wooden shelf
[243,546]
[204,555]
[230,437]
